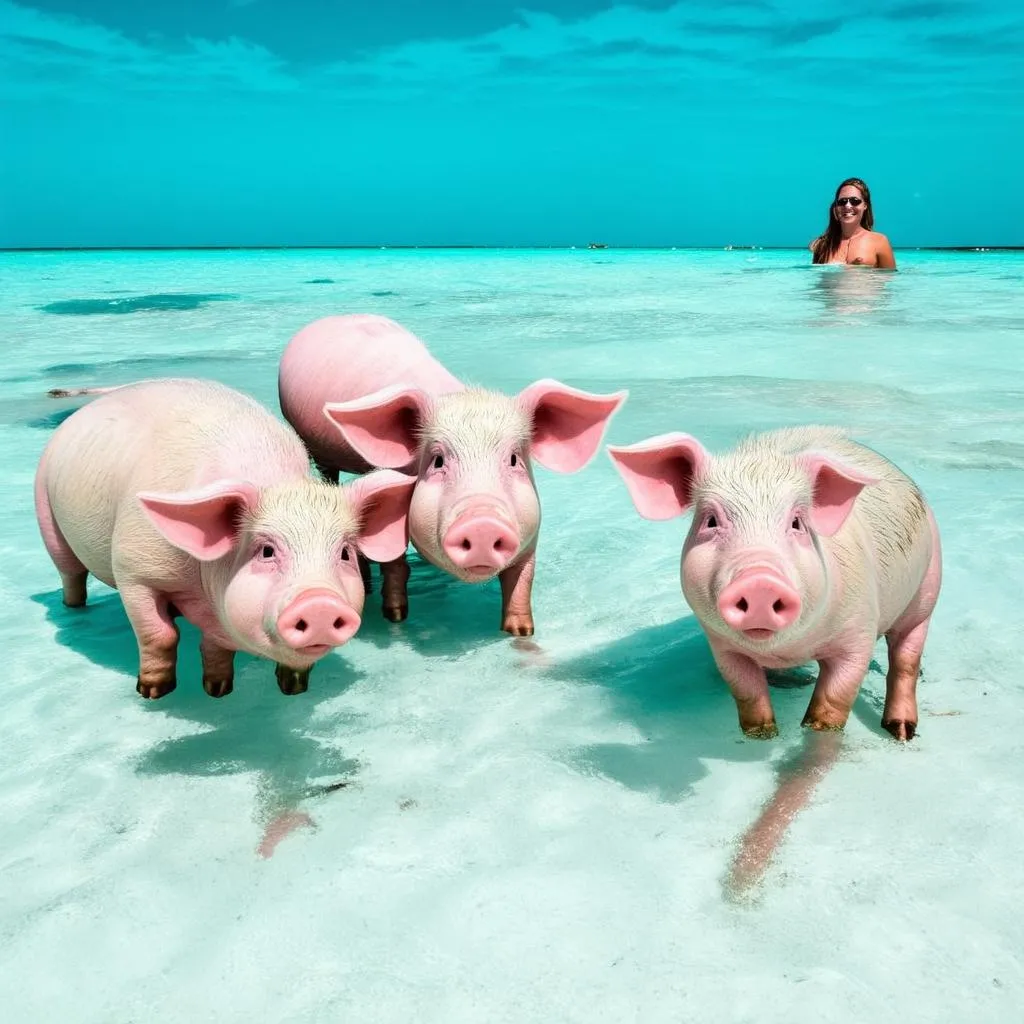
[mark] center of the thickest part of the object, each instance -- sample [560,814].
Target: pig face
[753,568]
[279,565]
[475,509]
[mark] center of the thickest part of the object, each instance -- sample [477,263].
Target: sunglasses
[852,200]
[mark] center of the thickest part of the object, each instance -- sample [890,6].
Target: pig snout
[758,603]
[317,619]
[479,541]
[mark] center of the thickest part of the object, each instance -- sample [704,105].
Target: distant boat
[597,245]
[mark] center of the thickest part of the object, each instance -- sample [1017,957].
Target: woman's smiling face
[849,205]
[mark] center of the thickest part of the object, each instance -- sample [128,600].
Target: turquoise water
[497,830]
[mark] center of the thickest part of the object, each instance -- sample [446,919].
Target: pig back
[343,358]
[164,436]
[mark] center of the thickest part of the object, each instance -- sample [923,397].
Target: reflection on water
[851,290]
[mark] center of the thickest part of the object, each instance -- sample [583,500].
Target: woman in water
[848,237]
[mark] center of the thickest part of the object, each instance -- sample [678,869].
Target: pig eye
[438,462]
[515,459]
[267,551]
[797,524]
[711,523]
[345,556]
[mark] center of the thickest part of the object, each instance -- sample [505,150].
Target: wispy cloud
[45,53]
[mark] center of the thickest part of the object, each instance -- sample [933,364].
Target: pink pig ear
[568,424]
[659,473]
[381,502]
[383,427]
[204,523]
[836,486]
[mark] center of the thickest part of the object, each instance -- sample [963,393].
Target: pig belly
[195,607]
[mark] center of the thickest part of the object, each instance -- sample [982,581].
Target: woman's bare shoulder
[884,256]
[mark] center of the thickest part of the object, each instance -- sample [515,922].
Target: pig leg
[749,686]
[72,573]
[73,588]
[516,588]
[218,668]
[906,643]
[292,681]
[839,681]
[899,716]
[394,589]
[150,616]
[364,572]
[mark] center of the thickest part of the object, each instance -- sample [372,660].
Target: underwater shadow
[158,303]
[50,421]
[664,681]
[447,618]
[254,730]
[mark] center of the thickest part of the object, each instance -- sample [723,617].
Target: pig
[805,546]
[363,393]
[193,500]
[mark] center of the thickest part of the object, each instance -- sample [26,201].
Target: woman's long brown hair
[826,244]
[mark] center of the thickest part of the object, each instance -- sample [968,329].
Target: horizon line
[594,246]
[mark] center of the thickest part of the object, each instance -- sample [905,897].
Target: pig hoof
[154,691]
[820,725]
[218,687]
[292,680]
[900,728]
[396,613]
[766,731]
[518,625]
[821,716]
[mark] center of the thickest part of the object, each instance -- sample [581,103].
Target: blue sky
[484,122]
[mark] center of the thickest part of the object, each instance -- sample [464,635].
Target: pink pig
[192,499]
[363,392]
[804,546]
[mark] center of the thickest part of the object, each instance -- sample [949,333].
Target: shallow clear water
[528,831]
